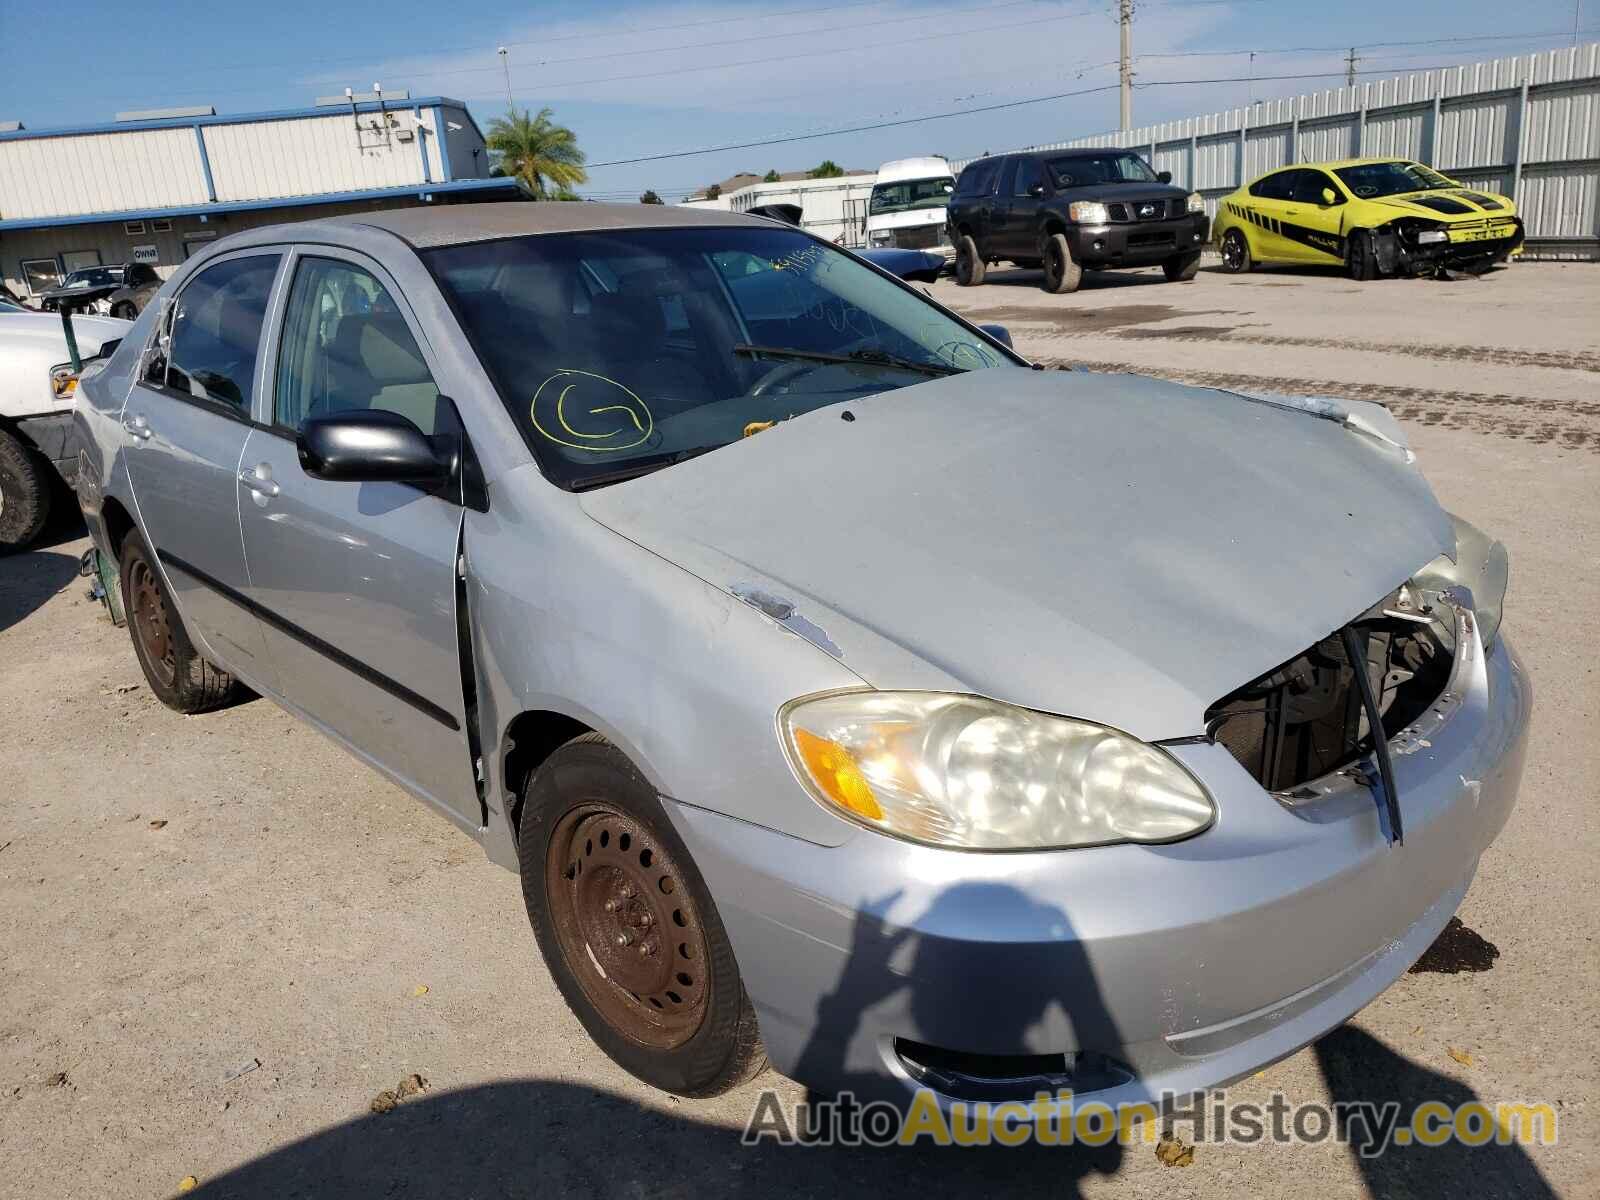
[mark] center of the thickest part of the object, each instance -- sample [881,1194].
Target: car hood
[1115,548]
[1449,204]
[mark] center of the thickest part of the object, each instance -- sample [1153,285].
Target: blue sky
[637,79]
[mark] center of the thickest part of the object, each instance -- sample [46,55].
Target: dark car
[1071,211]
[121,290]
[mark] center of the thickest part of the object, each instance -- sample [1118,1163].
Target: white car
[37,389]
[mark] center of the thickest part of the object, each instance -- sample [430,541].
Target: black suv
[1072,211]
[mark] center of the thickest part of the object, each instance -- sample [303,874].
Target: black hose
[1380,744]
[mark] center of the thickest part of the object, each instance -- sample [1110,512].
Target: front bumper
[1467,245]
[1183,966]
[1138,244]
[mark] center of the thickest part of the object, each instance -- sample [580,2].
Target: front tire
[970,267]
[1360,262]
[1181,268]
[1061,273]
[627,927]
[1236,259]
[24,493]
[177,673]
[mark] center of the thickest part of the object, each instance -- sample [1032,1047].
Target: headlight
[63,381]
[1089,212]
[1432,235]
[975,774]
[1481,567]
[881,237]
[1197,202]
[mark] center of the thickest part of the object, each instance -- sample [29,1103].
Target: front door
[188,418]
[1020,238]
[1313,223]
[356,582]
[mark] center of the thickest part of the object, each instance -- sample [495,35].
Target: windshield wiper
[640,466]
[879,358]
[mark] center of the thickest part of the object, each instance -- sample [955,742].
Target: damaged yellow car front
[1376,216]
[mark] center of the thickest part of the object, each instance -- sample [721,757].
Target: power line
[967,112]
[1493,37]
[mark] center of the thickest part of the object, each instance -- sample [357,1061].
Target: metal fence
[1528,127]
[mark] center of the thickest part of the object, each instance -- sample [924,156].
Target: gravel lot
[186,897]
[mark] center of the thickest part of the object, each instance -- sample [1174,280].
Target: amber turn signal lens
[833,770]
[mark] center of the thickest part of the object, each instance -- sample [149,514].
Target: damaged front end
[1303,727]
[1414,246]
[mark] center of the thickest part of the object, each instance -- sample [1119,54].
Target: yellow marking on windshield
[635,410]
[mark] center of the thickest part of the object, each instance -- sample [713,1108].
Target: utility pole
[1350,61]
[505,61]
[1125,17]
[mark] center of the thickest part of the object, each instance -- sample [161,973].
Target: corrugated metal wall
[268,158]
[1527,126]
[46,177]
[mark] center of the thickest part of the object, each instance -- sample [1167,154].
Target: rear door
[188,418]
[356,582]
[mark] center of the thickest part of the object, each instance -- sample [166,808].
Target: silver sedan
[848,694]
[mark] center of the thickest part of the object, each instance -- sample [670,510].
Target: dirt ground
[217,931]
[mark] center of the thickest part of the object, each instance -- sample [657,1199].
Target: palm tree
[826,169]
[544,155]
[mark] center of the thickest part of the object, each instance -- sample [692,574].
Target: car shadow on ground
[1357,1066]
[545,1138]
[1093,281]
[29,580]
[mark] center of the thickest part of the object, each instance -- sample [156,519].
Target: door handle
[137,426]
[258,485]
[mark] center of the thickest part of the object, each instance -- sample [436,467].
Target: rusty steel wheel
[627,926]
[151,623]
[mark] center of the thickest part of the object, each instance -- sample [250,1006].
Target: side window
[978,178]
[1308,185]
[216,331]
[1028,176]
[1274,187]
[345,347]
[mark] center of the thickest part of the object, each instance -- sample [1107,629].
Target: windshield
[619,352]
[1087,170]
[1389,179]
[94,277]
[907,194]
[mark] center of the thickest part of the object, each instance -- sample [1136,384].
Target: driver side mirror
[999,333]
[1164,176]
[370,446]
[1329,197]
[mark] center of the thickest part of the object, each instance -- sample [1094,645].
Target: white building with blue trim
[154,186]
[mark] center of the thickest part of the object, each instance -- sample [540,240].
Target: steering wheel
[781,375]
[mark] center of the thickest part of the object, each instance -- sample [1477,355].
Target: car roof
[1075,152]
[455,224]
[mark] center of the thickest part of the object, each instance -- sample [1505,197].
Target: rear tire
[970,266]
[177,674]
[1061,273]
[1181,268]
[627,928]
[1236,258]
[1360,262]
[24,493]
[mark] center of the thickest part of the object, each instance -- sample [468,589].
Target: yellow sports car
[1377,216]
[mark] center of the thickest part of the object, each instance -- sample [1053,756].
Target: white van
[907,208]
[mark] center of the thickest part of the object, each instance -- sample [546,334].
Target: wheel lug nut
[611,906]
[624,938]
[627,891]
[645,920]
